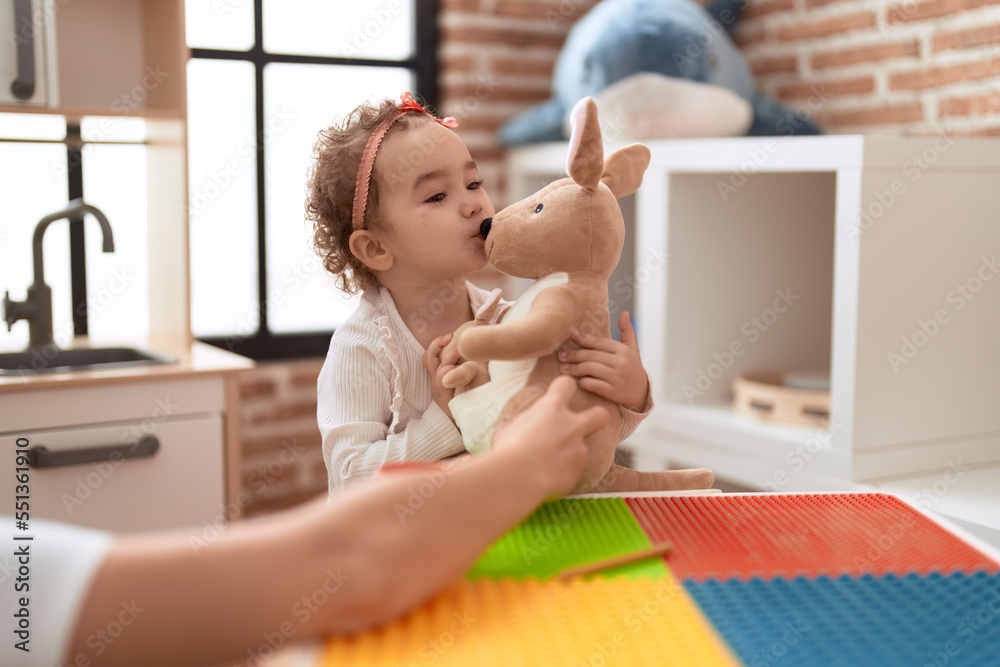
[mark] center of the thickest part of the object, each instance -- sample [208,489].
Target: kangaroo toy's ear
[624,169]
[585,162]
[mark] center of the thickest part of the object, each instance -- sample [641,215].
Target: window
[103,160]
[263,79]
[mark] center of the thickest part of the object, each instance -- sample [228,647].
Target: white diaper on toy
[477,411]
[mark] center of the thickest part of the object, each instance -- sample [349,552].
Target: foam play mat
[754,579]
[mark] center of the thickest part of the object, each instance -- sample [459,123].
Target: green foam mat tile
[567,533]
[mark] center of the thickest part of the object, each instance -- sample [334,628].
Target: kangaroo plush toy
[567,237]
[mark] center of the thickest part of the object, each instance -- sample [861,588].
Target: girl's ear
[371,251]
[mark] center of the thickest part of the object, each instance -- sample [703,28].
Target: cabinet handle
[40,456]
[23,86]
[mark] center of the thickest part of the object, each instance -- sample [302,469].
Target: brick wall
[282,454]
[880,66]
[856,66]
[869,66]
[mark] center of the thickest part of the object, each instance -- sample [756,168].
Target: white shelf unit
[805,253]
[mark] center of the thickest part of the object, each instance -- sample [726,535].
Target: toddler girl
[397,203]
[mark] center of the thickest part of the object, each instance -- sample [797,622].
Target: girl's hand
[438,365]
[609,368]
[550,438]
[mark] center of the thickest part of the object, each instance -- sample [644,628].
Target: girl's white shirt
[374,402]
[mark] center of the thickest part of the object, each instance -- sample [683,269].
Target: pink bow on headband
[406,103]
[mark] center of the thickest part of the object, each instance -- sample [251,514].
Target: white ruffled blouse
[374,396]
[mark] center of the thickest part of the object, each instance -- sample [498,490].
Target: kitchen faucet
[37,307]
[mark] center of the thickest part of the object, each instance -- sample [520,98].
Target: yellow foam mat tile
[577,623]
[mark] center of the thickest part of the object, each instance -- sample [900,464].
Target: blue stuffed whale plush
[678,39]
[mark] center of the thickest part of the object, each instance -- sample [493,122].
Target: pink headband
[405,105]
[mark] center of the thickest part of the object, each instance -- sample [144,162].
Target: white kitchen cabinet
[872,258]
[28,76]
[100,467]
[96,58]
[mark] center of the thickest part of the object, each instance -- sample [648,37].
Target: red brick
[253,388]
[833,88]
[445,6]
[508,93]
[970,105]
[454,63]
[865,54]
[556,13]
[758,8]
[812,4]
[898,113]
[283,412]
[747,36]
[909,12]
[829,26]
[508,37]
[541,67]
[968,38]
[986,132]
[774,65]
[935,77]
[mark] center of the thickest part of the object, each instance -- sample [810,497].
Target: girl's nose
[473,205]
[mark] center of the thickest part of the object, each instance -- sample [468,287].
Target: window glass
[222,198]
[299,101]
[114,180]
[219,24]
[374,29]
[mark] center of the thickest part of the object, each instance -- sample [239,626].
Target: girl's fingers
[591,369]
[583,355]
[628,333]
[593,342]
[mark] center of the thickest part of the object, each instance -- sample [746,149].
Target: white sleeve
[355,393]
[45,581]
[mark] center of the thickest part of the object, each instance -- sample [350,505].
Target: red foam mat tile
[771,535]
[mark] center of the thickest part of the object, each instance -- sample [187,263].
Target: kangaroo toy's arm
[553,315]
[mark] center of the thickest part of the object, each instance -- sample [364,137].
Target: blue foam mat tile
[913,620]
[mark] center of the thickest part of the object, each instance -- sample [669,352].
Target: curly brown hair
[332,179]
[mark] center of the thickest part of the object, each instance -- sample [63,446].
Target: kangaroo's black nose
[484,227]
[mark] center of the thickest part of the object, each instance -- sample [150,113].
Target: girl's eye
[439,197]
[475,185]
[538,209]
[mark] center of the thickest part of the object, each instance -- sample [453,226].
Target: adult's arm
[365,558]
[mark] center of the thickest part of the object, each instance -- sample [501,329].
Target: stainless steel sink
[50,360]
